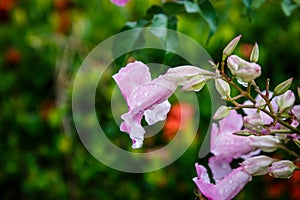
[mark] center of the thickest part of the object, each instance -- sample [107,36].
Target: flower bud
[298,90]
[222,112]
[244,71]
[283,87]
[257,165]
[282,169]
[243,133]
[248,71]
[181,74]
[266,143]
[195,84]
[254,122]
[254,53]
[285,101]
[231,47]
[233,63]
[222,87]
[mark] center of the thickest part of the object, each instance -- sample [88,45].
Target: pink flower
[120,2]
[224,143]
[149,98]
[232,182]
[225,189]
[143,97]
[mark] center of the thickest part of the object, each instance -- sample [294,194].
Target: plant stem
[281,131]
[289,151]
[287,125]
[266,96]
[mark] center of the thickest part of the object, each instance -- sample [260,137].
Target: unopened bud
[243,133]
[182,73]
[266,143]
[195,84]
[233,63]
[282,169]
[254,53]
[248,71]
[283,87]
[244,71]
[298,90]
[285,101]
[254,122]
[231,47]
[222,87]
[257,165]
[222,112]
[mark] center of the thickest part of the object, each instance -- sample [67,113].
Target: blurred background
[43,43]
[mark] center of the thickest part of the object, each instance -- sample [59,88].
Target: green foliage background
[43,43]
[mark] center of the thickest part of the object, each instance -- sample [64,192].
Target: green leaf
[160,21]
[172,39]
[248,4]
[153,11]
[174,8]
[191,7]
[208,13]
[257,4]
[297,2]
[288,6]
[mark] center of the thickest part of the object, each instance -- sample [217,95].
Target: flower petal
[233,183]
[120,2]
[220,167]
[224,143]
[151,94]
[296,111]
[203,183]
[132,125]
[131,76]
[225,189]
[158,113]
[232,123]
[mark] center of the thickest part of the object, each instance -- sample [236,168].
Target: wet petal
[150,94]
[224,143]
[132,125]
[233,183]
[158,113]
[131,76]
[220,167]
[225,189]
[232,123]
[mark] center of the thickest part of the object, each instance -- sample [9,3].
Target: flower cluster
[269,121]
